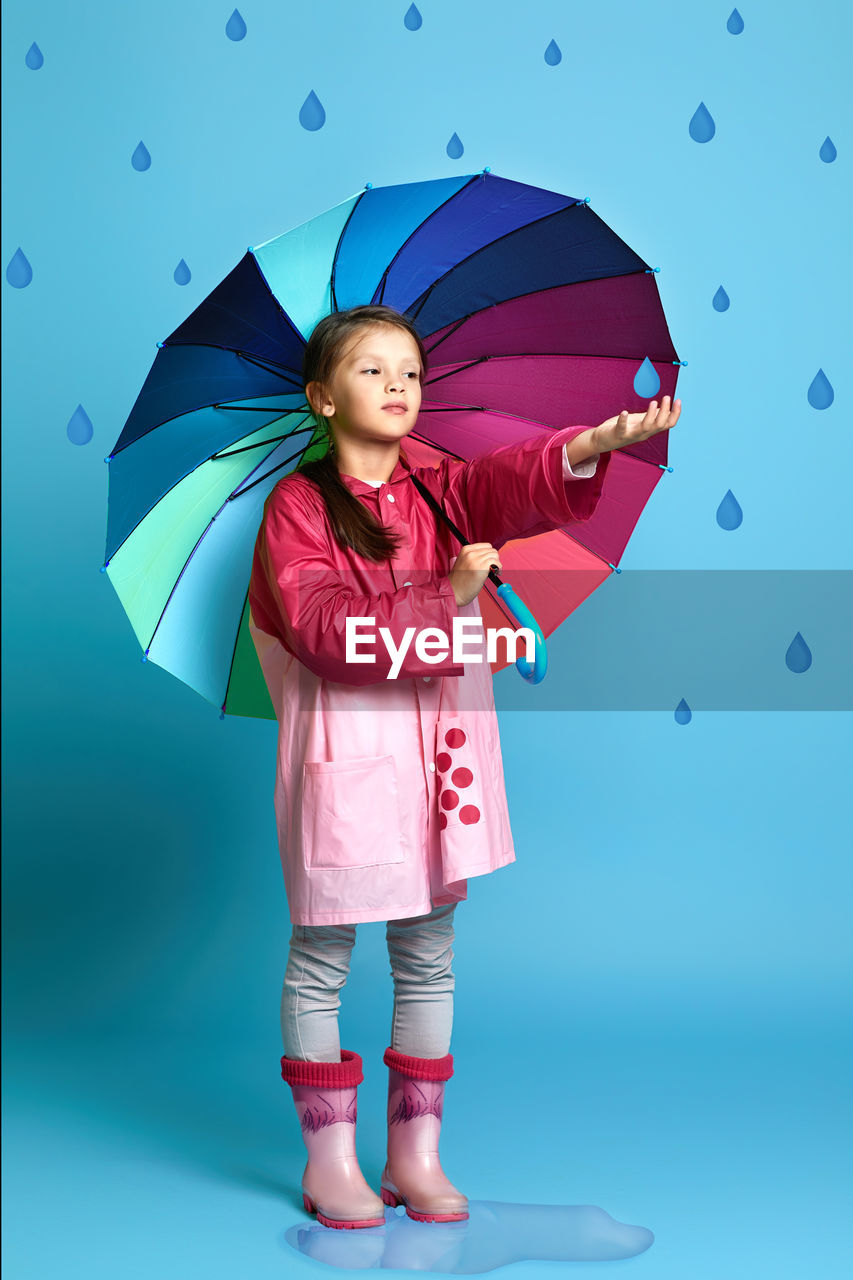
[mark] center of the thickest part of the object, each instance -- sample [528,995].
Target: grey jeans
[421,954]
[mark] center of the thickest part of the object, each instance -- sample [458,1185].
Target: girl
[389,788]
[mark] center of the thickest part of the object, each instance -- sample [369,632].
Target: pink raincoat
[379,818]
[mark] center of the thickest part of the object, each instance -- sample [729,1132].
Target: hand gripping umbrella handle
[514,603]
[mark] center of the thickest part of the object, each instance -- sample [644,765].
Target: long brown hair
[352,524]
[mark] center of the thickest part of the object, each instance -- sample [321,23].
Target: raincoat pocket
[350,813]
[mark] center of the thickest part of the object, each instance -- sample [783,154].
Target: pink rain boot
[332,1185]
[413,1175]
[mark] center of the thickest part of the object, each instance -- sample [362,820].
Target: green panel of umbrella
[182,573]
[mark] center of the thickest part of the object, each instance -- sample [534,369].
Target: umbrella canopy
[535,316]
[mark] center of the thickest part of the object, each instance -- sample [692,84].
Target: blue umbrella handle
[532,674]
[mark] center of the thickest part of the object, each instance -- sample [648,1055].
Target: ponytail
[352,524]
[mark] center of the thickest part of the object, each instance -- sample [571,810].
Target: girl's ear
[318,399]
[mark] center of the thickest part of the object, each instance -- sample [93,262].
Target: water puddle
[495,1235]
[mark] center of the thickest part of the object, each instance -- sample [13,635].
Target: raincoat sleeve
[299,594]
[523,489]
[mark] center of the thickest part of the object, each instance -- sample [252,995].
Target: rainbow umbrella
[535,316]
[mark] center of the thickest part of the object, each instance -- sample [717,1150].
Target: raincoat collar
[401,472]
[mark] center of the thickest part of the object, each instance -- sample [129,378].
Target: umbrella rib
[384,280]
[175,417]
[421,302]
[259,408]
[332,293]
[531,293]
[201,463]
[238,493]
[234,649]
[450,332]
[271,366]
[459,408]
[297,381]
[460,369]
[480,408]
[184,567]
[589,551]
[538,355]
[423,439]
[198,543]
[259,444]
[549,355]
[249,408]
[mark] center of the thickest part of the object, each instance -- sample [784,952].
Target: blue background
[652,1009]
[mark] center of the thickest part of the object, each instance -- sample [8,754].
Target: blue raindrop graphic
[735,23]
[729,512]
[720,300]
[79,429]
[646,380]
[235,27]
[553,54]
[141,158]
[182,273]
[702,127]
[683,714]
[34,58]
[412,20]
[798,655]
[455,147]
[820,393]
[827,151]
[312,114]
[19,273]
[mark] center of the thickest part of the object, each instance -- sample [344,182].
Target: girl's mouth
[394,408]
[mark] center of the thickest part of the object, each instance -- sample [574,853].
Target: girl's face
[380,367]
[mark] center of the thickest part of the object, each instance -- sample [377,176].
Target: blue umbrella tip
[102,568]
[488,169]
[250,249]
[368,186]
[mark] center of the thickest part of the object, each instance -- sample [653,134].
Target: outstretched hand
[630,428]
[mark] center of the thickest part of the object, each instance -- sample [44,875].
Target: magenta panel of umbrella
[535,315]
